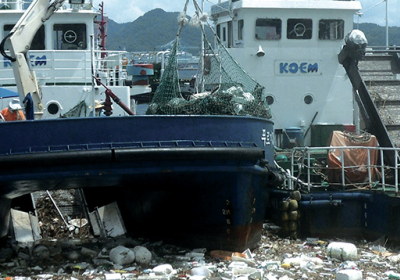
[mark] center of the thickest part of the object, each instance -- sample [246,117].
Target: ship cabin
[65,52]
[291,48]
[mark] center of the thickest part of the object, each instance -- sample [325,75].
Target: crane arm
[20,40]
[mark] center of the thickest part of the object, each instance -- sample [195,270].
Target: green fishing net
[79,110]
[223,87]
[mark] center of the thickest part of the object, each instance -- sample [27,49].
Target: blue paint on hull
[359,214]
[204,174]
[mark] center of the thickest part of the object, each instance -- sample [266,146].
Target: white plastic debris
[357,37]
[197,277]
[200,271]
[342,251]
[194,255]
[199,250]
[142,255]
[45,276]
[349,274]
[271,265]
[243,271]
[163,269]
[201,95]
[394,259]
[348,265]
[238,265]
[121,255]
[78,222]
[302,260]
[112,276]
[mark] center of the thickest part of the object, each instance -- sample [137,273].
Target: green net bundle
[223,87]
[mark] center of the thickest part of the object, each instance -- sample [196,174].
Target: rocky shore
[127,258]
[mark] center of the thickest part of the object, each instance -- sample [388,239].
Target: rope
[365,137]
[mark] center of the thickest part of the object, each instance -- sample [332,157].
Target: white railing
[24,4]
[71,67]
[306,171]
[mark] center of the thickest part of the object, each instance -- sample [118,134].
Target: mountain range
[156,29]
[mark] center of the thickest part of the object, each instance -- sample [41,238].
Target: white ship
[291,48]
[66,53]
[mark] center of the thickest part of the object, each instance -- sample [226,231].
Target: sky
[120,11]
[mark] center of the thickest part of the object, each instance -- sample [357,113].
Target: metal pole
[202,48]
[369,166]
[59,212]
[383,171]
[343,167]
[387,25]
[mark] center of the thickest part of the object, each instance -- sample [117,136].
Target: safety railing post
[369,166]
[396,174]
[309,170]
[343,167]
[382,170]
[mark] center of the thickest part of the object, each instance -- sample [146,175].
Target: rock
[73,256]
[41,252]
[88,252]
[142,255]
[5,254]
[121,255]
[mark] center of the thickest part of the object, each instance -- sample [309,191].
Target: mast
[102,27]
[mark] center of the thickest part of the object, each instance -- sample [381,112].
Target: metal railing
[308,171]
[382,49]
[60,67]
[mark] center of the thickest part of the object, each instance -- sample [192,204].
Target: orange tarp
[355,161]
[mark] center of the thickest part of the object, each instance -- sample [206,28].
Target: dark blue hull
[201,178]
[360,214]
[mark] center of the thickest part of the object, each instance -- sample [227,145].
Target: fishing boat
[192,171]
[339,157]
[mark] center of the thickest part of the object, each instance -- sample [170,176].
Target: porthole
[308,99]
[270,100]
[53,108]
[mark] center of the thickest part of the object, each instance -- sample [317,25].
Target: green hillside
[376,34]
[156,28]
[152,31]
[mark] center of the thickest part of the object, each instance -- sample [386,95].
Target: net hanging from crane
[222,86]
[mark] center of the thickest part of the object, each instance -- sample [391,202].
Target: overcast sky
[128,10]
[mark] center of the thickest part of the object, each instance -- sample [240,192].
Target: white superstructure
[291,48]
[65,54]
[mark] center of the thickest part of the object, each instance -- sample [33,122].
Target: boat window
[219,31]
[230,34]
[224,34]
[268,29]
[37,42]
[299,28]
[308,99]
[240,29]
[26,4]
[69,36]
[331,29]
